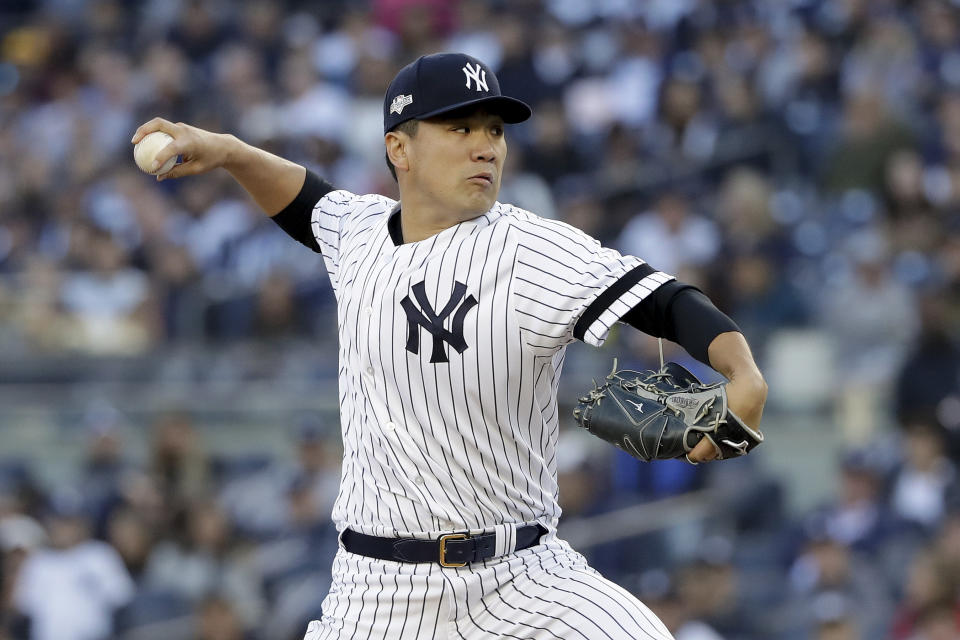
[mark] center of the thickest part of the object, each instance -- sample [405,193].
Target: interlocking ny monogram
[478,75]
[433,321]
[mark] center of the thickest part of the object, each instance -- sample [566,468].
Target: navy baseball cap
[442,82]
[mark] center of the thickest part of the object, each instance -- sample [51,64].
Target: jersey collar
[393,225]
[396,231]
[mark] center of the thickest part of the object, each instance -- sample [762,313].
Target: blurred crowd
[798,160]
[177,543]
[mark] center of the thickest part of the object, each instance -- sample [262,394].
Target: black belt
[449,550]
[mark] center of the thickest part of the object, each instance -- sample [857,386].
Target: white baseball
[145,152]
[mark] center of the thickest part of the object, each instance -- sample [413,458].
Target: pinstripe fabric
[544,592]
[470,443]
[450,355]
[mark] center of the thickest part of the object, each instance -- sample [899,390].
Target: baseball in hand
[145,152]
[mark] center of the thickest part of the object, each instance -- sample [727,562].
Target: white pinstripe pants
[546,592]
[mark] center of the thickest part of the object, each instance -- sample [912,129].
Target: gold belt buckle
[443,548]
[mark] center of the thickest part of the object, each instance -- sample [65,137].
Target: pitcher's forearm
[747,390]
[271,181]
[730,355]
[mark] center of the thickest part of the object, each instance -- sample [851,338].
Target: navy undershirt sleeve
[682,313]
[295,218]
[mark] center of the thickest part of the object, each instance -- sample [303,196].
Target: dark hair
[410,128]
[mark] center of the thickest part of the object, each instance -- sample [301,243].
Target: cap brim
[510,109]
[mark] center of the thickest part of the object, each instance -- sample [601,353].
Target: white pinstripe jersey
[450,355]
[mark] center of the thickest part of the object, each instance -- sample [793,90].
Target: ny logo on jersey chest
[432,321]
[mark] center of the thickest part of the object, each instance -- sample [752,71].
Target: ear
[396,143]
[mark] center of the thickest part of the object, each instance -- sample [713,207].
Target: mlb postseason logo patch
[399,103]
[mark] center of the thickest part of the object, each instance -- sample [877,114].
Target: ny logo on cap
[399,103]
[478,75]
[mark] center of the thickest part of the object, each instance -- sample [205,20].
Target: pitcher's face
[457,160]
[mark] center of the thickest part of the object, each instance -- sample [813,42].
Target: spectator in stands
[904,194]
[761,300]
[945,138]
[109,304]
[927,379]
[709,593]
[204,558]
[178,463]
[946,544]
[744,213]
[857,517]
[295,562]
[828,580]
[872,319]
[129,533]
[20,535]
[71,589]
[105,464]
[37,320]
[276,308]
[260,504]
[929,586]
[553,153]
[659,592]
[925,484]
[217,619]
[670,236]
[870,136]
[683,134]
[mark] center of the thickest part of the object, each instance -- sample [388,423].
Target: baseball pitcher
[454,312]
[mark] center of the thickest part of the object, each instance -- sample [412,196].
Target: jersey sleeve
[318,215]
[567,286]
[335,217]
